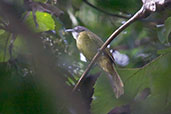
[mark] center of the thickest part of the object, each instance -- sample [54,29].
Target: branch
[115,33]
[105,12]
[145,11]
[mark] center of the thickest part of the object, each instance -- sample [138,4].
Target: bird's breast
[86,45]
[89,47]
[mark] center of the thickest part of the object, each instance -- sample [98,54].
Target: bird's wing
[99,42]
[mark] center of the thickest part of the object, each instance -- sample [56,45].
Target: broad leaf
[155,75]
[44,20]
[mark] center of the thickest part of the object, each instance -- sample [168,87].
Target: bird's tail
[117,83]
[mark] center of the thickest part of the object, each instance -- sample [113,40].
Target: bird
[88,43]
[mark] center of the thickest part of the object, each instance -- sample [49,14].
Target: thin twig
[138,15]
[105,12]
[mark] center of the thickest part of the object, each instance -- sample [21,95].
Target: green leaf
[118,4]
[155,75]
[163,32]
[77,3]
[4,56]
[43,1]
[19,47]
[44,20]
[19,94]
[168,28]
[58,25]
[1,31]
[164,51]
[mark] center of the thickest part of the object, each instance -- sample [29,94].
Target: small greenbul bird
[88,43]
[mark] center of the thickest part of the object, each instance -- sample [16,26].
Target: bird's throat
[75,35]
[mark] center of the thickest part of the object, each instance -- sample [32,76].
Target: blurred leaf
[19,47]
[168,28]
[126,109]
[163,32]
[1,31]
[44,20]
[118,4]
[95,21]
[43,1]
[76,3]
[104,97]
[19,93]
[4,47]
[155,75]
[58,25]
[164,51]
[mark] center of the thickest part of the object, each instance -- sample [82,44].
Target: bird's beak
[69,30]
[74,33]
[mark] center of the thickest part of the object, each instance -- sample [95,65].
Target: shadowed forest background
[40,63]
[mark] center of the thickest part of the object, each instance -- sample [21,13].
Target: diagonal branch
[146,9]
[105,12]
[108,41]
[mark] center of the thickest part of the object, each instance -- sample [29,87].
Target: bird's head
[76,30]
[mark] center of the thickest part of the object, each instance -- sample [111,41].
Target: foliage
[135,81]
[44,20]
[45,63]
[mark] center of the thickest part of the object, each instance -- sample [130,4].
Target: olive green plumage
[86,40]
[89,43]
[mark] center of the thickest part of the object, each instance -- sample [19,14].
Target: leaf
[164,51]
[104,97]
[3,47]
[19,93]
[116,4]
[163,32]
[19,47]
[43,1]
[160,33]
[44,20]
[76,3]
[1,31]
[155,75]
[126,109]
[168,28]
